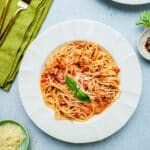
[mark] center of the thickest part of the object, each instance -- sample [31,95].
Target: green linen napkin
[24,30]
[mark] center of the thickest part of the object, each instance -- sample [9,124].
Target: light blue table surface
[136,134]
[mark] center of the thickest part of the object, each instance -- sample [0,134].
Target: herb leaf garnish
[144,19]
[72,84]
[82,96]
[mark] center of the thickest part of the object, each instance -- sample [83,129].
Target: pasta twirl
[96,73]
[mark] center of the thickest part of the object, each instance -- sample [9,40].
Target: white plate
[132,2]
[101,126]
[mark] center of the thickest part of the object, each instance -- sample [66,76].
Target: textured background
[136,134]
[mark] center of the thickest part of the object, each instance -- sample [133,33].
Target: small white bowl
[141,44]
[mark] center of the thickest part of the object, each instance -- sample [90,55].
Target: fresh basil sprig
[72,84]
[144,19]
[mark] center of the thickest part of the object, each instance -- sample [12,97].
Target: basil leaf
[144,19]
[82,96]
[71,83]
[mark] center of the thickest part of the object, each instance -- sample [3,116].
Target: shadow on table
[129,8]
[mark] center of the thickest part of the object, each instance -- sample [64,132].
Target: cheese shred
[11,136]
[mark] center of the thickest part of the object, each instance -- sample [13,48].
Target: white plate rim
[134,2]
[21,94]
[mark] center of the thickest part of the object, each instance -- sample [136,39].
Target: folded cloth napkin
[21,35]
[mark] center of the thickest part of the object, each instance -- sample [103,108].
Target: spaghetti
[96,73]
